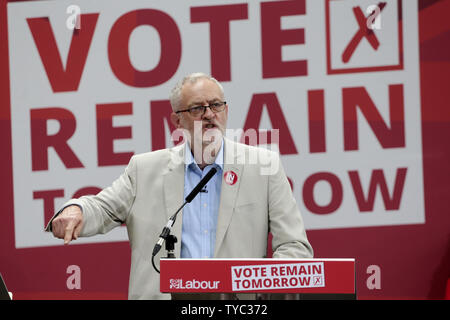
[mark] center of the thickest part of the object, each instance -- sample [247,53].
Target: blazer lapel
[174,190]
[229,191]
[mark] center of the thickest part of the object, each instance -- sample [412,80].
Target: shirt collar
[189,158]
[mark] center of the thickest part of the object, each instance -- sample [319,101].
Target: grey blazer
[151,189]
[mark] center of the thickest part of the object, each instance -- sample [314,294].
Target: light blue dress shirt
[198,235]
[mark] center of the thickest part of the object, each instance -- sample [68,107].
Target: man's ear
[175,120]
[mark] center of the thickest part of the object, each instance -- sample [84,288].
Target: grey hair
[175,94]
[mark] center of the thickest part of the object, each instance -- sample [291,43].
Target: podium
[311,278]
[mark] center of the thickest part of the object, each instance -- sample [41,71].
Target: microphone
[166,231]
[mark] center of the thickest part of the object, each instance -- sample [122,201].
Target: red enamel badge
[230,177]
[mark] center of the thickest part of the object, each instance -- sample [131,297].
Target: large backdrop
[352,93]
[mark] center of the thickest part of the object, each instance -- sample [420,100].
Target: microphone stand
[169,239]
[170,246]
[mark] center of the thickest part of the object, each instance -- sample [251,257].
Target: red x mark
[363,32]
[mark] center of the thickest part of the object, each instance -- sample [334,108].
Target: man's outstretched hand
[68,224]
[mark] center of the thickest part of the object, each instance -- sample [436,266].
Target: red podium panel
[325,276]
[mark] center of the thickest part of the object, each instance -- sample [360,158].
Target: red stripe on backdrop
[434,36]
[64,295]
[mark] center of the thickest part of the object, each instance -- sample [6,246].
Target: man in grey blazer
[247,198]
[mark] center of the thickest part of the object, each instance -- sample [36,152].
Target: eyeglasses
[198,111]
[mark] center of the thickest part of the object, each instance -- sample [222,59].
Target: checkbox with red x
[364,35]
